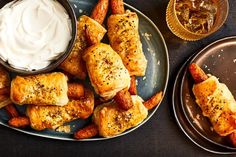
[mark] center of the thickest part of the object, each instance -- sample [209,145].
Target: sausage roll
[106,71]
[124,39]
[52,117]
[74,64]
[43,89]
[111,120]
[218,104]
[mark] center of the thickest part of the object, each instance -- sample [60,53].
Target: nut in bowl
[194,20]
[40,39]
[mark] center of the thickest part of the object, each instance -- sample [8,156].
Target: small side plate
[184,124]
[219,60]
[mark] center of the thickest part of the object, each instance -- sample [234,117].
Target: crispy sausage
[4,102]
[87,132]
[232,138]
[12,111]
[5,91]
[19,122]
[153,101]
[123,99]
[117,7]
[75,90]
[3,97]
[133,88]
[197,73]
[100,10]
[91,39]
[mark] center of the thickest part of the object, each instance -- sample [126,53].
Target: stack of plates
[218,59]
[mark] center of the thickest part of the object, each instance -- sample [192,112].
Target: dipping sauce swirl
[33,33]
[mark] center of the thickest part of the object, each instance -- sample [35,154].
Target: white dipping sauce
[33,33]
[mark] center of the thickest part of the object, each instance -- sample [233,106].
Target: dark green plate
[155,80]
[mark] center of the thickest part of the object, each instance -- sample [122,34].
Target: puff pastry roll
[51,117]
[74,64]
[106,71]
[218,104]
[43,89]
[111,120]
[125,40]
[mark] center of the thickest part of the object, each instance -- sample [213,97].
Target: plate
[184,124]
[217,59]
[156,78]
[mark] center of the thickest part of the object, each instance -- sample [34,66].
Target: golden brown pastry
[124,39]
[51,117]
[4,88]
[43,89]
[218,104]
[74,64]
[111,120]
[4,78]
[106,71]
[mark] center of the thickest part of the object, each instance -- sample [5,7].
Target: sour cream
[33,33]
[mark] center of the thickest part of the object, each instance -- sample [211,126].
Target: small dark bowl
[62,57]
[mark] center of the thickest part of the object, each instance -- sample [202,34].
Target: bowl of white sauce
[36,35]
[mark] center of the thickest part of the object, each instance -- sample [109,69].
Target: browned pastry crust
[51,117]
[218,104]
[43,89]
[106,71]
[111,120]
[74,64]
[124,39]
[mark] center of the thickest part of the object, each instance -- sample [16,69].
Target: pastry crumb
[81,11]
[198,116]
[150,50]
[147,35]
[65,129]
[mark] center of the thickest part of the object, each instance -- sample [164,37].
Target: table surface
[160,136]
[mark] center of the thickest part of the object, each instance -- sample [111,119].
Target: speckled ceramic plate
[155,80]
[218,59]
[184,124]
